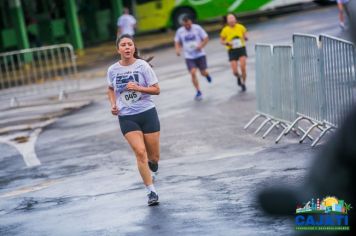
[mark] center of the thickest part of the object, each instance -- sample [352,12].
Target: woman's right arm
[112,99]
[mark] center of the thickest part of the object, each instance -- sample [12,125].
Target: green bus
[160,14]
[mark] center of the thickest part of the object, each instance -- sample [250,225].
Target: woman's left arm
[246,36]
[153,89]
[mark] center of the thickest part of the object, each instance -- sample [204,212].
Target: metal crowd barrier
[37,71]
[285,102]
[339,75]
[263,87]
[310,94]
[315,81]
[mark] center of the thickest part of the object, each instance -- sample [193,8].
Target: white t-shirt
[127,24]
[131,102]
[190,39]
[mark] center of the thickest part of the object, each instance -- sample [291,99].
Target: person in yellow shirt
[234,37]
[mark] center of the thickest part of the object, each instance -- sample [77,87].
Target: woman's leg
[242,61]
[137,143]
[152,146]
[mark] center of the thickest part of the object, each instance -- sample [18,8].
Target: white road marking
[27,146]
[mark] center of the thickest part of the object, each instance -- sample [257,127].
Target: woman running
[234,37]
[131,83]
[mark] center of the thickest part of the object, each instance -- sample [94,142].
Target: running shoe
[238,79]
[198,96]
[243,86]
[153,166]
[208,78]
[152,199]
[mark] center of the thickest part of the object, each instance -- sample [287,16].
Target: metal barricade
[264,73]
[340,78]
[284,87]
[313,81]
[36,71]
[338,70]
[283,83]
[275,88]
[309,84]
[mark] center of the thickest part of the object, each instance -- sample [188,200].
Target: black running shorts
[147,122]
[236,53]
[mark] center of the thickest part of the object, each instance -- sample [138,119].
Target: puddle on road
[60,174]
[21,139]
[293,169]
[29,204]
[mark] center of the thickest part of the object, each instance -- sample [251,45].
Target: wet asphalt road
[210,169]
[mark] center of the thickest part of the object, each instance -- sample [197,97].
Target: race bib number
[192,45]
[237,43]
[130,97]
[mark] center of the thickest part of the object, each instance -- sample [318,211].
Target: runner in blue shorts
[193,38]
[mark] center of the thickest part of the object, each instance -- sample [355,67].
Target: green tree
[347,207]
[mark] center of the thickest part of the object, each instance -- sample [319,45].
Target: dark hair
[118,40]
[186,18]
[225,17]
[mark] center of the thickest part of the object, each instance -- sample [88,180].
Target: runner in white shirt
[126,24]
[131,83]
[193,38]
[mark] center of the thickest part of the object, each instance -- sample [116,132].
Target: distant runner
[234,37]
[131,83]
[193,38]
[341,7]
[126,23]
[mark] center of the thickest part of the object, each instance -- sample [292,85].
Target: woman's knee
[141,154]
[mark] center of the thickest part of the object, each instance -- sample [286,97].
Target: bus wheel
[180,13]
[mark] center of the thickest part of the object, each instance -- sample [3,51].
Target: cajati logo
[327,214]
